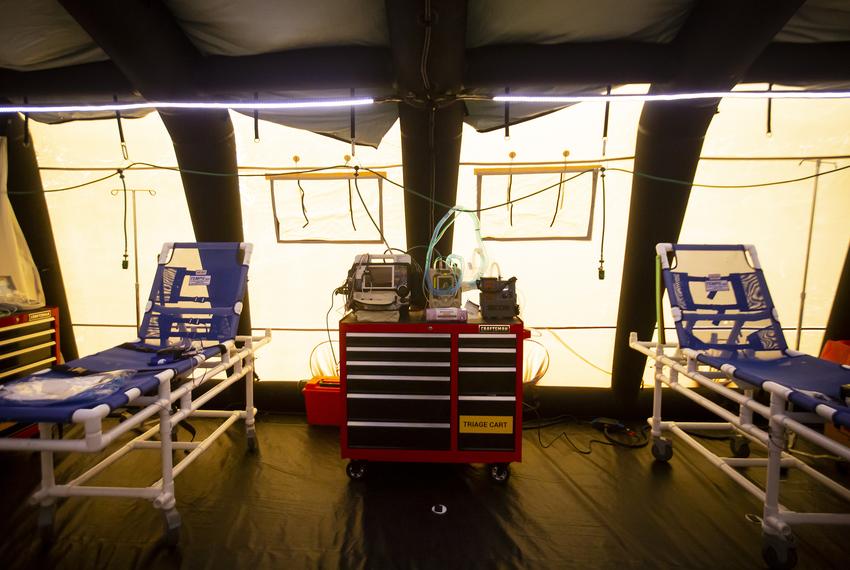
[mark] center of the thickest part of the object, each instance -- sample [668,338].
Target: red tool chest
[431,392]
[29,342]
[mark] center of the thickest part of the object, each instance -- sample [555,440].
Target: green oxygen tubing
[439,231]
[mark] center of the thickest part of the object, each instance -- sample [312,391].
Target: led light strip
[335,103]
[278,105]
[674,96]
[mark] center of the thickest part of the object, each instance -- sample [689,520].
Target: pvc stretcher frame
[778,546]
[239,361]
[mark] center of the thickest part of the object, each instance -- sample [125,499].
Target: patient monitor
[379,283]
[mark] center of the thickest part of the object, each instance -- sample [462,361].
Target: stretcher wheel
[662,449]
[499,472]
[356,470]
[171,521]
[778,553]
[251,441]
[739,446]
[45,522]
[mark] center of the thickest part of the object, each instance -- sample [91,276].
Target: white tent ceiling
[40,34]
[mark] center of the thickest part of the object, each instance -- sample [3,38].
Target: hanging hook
[26,125]
[769,112]
[511,155]
[352,129]
[256,119]
[124,152]
[507,115]
[605,122]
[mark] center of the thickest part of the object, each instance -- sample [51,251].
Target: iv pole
[818,163]
[133,192]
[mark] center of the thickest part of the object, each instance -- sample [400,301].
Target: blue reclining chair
[728,328]
[186,337]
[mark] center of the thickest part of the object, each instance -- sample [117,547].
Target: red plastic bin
[323,401]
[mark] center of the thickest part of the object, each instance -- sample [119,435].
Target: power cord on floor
[616,433]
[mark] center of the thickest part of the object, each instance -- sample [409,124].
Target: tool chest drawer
[395,407]
[398,384]
[486,422]
[480,380]
[396,435]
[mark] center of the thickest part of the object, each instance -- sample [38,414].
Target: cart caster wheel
[499,472]
[171,522]
[356,470]
[251,441]
[662,449]
[777,553]
[45,523]
[739,446]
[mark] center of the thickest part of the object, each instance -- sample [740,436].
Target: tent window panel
[550,203]
[325,208]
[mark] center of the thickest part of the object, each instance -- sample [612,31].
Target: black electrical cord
[558,198]
[124,262]
[351,206]
[327,323]
[601,268]
[303,207]
[728,186]
[426,47]
[368,213]
[510,202]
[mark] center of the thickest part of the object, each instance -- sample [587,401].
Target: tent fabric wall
[290,284]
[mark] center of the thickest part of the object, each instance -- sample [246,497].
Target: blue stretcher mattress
[802,374]
[195,297]
[116,358]
[724,305]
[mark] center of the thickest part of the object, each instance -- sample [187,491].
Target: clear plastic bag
[20,284]
[39,389]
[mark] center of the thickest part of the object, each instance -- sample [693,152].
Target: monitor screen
[380,277]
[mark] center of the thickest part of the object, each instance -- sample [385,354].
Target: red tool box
[323,402]
[431,392]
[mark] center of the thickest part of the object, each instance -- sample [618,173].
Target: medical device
[498,298]
[380,285]
[446,284]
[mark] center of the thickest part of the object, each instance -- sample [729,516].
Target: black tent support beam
[669,143]
[333,68]
[430,129]
[494,67]
[203,139]
[838,325]
[31,211]
[487,68]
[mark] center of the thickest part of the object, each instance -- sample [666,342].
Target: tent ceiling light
[675,96]
[253,105]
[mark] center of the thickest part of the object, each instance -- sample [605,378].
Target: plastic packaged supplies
[38,389]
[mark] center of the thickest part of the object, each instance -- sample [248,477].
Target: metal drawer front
[398,340]
[396,435]
[388,368]
[486,423]
[506,340]
[396,407]
[486,356]
[483,380]
[359,384]
[399,353]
